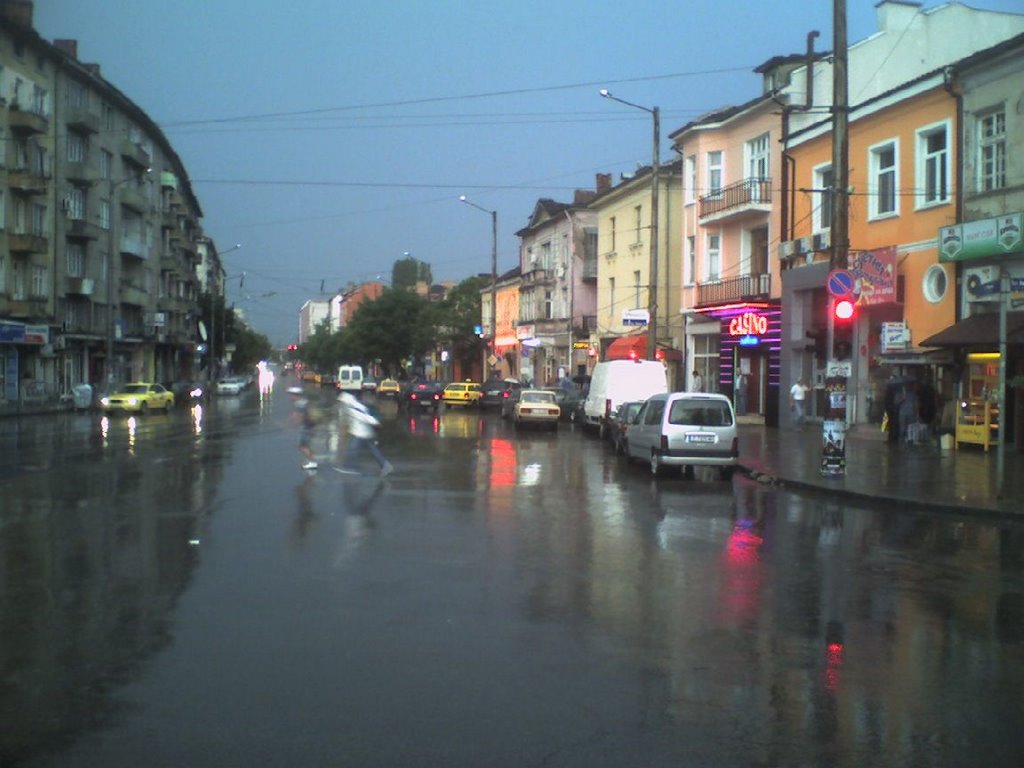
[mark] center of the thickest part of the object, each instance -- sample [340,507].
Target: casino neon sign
[748,324]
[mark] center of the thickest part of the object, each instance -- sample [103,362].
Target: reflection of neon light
[503,463]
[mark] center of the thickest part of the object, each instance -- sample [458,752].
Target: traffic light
[843,317]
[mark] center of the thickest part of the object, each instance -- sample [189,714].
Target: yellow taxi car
[462,393]
[388,388]
[138,396]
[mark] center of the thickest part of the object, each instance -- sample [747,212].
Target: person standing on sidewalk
[362,426]
[696,382]
[797,400]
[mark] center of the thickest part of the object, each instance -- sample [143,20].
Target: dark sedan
[497,392]
[422,396]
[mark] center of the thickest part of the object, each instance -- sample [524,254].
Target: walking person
[311,416]
[362,426]
[797,401]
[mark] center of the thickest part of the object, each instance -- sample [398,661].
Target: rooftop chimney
[604,182]
[70,47]
[17,12]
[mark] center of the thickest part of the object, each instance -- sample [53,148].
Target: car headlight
[104,401]
[133,401]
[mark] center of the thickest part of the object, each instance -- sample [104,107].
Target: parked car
[138,397]
[388,388]
[536,406]
[570,402]
[508,403]
[465,394]
[615,382]
[369,384]
[232,385]
[619,422]
[422,395]
[493,392]
[685,429]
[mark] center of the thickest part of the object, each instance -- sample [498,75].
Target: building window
[691,259]
[3,211]
[105,214]
[757,151]
[611,299]
[638,223]
[636,284]
[822,214]
[933,165]
[108,117]
[547,305]
[38,224]
[75,255]
[545,255]
[77,146]
[39,281]
[935,284]
[76,95]
[884,180]
[74,203]
[714,251]
[106,164]
[611,222]
[714,173]
[690,193]
[992,151]
[18,280]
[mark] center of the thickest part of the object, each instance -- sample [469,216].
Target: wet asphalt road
[174,591]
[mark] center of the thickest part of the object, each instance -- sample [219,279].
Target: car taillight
[413,396]
[505,393]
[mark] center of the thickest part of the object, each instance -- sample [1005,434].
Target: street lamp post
[652,290]
[494,272]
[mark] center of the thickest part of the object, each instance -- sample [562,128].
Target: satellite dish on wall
[202,330]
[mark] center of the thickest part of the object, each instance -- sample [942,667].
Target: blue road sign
[840,282]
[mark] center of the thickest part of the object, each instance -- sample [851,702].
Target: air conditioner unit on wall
[787,249]
[821,241]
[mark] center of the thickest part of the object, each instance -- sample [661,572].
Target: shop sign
[895,337]
[748,324]
[636,317]
[982,238]
[526,331]
[874,274]
[581,345]
[37,334]
[12,333]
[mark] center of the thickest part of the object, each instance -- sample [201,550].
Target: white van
[350,378]
[615,382]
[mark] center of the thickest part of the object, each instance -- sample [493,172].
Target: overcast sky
[330,137]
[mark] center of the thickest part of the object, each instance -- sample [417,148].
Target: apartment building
[624,284]
[904,161]
[98,280]
[557,288]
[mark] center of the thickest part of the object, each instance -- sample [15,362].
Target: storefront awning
[635,348]
[979,331]
[626,348]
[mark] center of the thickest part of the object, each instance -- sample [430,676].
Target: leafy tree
[405,273]
[457,318]
[321,350]
[250,347]
[396,326]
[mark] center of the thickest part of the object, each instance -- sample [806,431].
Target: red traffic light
[843,309]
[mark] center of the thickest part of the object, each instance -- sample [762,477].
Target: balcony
[590,268]
[24,122]
[742,288]
[134,199]
[749,195]
[537,277]
[84,171]
[27,182]
[134,153]
[21,242]
[81,119]
[80,229]
[80,286]
[135,296]
[133,245]
[25,309]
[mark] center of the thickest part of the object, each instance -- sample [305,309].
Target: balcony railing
[590,268]
[749,192]
[734,289]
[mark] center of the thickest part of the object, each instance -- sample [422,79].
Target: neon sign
[748,324]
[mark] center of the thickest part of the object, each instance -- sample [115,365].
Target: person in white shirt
[362,427]
[696,382]
[797,399]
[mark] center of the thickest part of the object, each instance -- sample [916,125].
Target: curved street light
[494,274]
[652,291]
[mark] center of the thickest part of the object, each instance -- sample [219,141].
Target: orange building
[902,161]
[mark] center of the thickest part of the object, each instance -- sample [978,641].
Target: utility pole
[840,235]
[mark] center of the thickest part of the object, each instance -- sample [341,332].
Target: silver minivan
[685,429]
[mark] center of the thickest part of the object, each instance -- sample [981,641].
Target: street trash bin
[81,394]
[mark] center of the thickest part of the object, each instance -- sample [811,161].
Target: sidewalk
[920,475]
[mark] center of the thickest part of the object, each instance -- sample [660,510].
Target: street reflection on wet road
[176,591]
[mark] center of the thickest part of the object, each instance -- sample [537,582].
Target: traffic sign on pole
[840,282]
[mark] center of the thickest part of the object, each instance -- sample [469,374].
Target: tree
[393,328]
[408,271]
[457,319]
[250,348]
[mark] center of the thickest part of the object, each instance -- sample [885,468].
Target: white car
[685,429]
[536,406]
[231,386]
